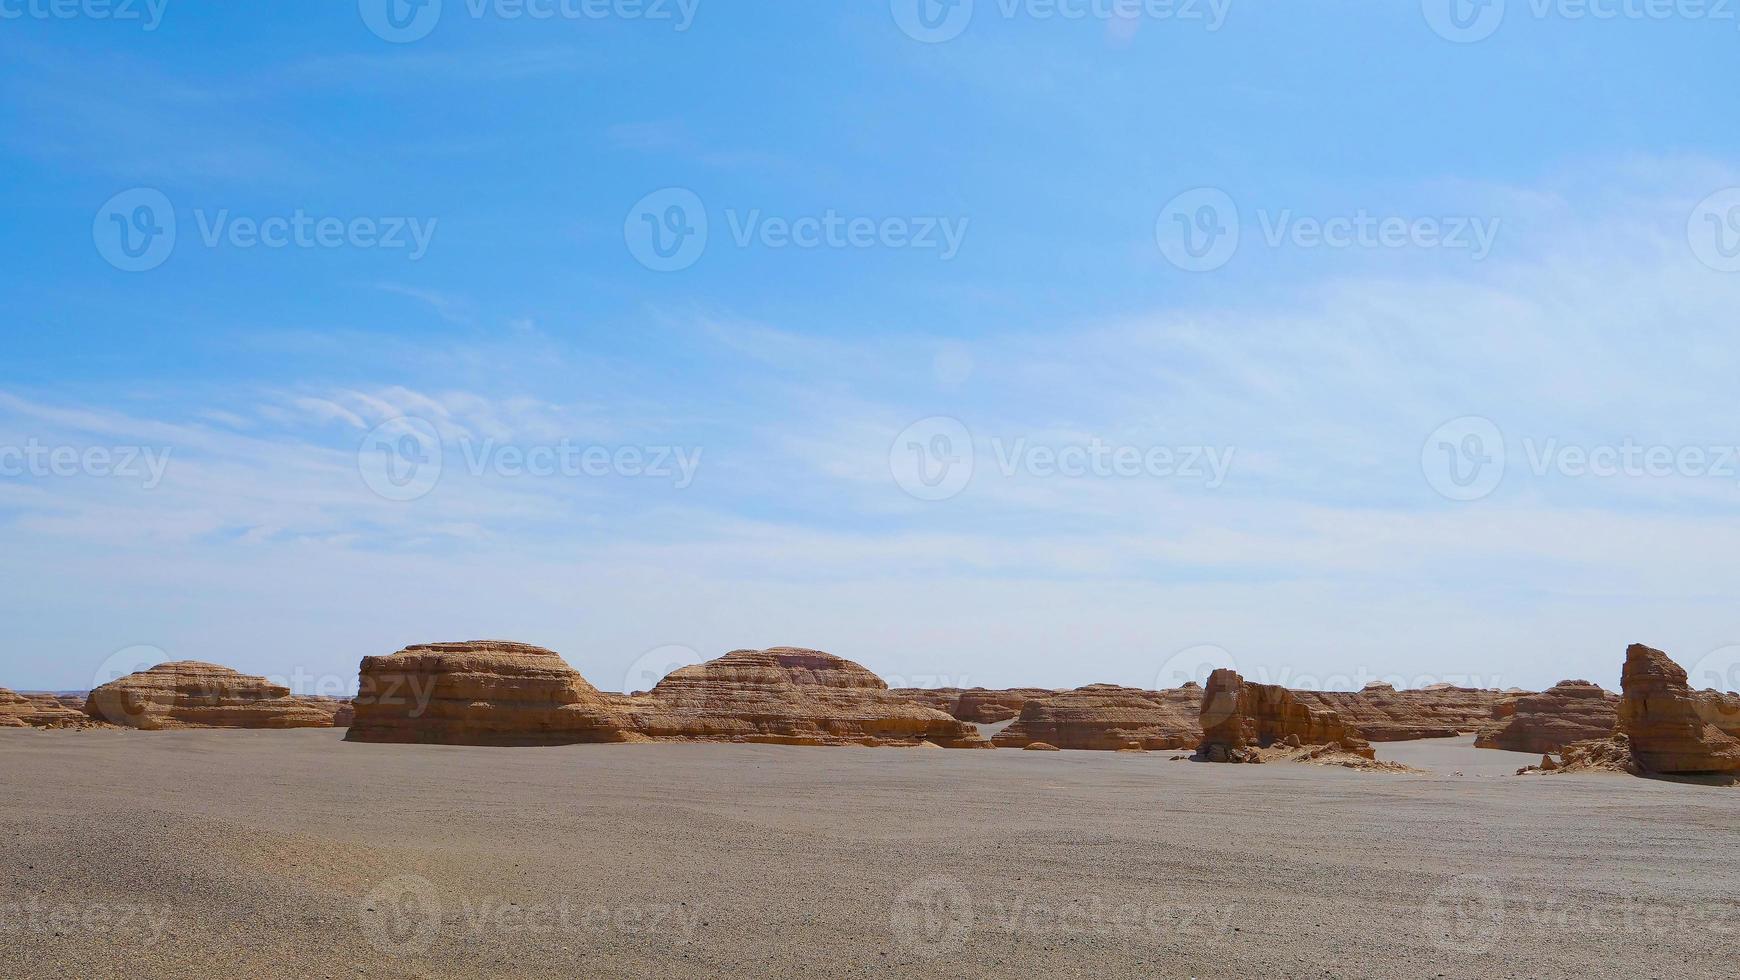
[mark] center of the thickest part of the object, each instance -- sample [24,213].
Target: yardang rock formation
[1569,711]
[1107,717]
[483,692]
[1672,728]
[1239,719]
[191,694]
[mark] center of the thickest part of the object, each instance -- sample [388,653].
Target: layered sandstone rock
[980,705]
[1670,726]
[1106,717]
[1611,753]
[1569,711]
[191,694]
[792,696]
[38,711]
[1040,747]
[483,692]
[1383,714]
[1239,719]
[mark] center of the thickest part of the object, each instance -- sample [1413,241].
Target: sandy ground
[256,854]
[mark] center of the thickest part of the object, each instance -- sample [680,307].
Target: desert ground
[294,854]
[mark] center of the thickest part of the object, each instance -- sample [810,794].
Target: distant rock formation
[1106,717]
[792,696]
[191,694]
[1569,711]
[984,706]
[39,711]
[482,692]
[1383,714]
[1239,719]
[1040,747]
[1672,728]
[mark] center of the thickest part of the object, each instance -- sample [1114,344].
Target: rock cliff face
[1106,717]
[1569,711]
[1383,714]
[1672,728]
[984,706]
[483,692]
[1240,718]
[788,695]
[191,694]
[38,711]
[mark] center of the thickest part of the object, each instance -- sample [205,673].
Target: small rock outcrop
[1106,717]
[39,711]
[1239,719]
[1672,729]
[1040,747]
[1569,711]
[792,696]
[192,694]
[983,706]
[1383,714]
[483,692]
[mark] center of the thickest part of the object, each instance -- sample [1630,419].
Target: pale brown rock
[191,694]
[482,692]
[1106,717]
[1609,754]
[1040,747]
[1569,711]
[984,706]
[792,696]
[38,711]
[1670,726]
[1383,714]
[1240,718]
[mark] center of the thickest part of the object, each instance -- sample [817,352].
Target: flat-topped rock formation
[1569,711]
[984,706]
[192,694]
[1107,717]
[791,696]
[38,711]
[1240,718]
[1383,714]
[1672,728]
[482,692]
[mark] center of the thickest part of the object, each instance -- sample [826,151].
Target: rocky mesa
[1569,711]
[482,692]
[1107,717]
[1383,714]
[1239,719]
[790,695]
[39,711]
[192,694]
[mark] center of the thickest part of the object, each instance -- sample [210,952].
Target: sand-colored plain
[294,854]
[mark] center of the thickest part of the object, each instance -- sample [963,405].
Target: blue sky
[1549,227]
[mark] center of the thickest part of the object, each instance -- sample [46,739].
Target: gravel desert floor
[293,854]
